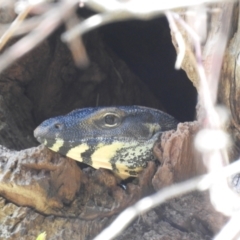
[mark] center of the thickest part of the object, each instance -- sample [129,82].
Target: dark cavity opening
[146,47]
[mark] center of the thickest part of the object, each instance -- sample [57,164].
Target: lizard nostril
[58,126]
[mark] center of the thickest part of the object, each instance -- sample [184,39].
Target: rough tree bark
[43,191]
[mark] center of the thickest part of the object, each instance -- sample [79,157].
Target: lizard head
[106,137]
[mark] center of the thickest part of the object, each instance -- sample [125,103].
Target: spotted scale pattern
[124,146]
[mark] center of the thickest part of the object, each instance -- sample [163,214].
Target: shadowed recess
[146,47]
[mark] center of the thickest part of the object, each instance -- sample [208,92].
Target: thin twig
[112,11]
[76,46]
[145,9]
[15,24]
[179,40]
[25,27]
[51,20]
[215,47]
[94,22]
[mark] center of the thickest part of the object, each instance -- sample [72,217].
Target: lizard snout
[39,134]
[48,130]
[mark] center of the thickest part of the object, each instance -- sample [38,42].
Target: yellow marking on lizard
[56,146]
[75,153]
[104,153]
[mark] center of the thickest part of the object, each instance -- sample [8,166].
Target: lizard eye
[111,120]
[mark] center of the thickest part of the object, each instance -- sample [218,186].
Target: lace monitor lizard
[117,138]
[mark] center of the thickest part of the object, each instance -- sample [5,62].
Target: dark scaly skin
[116,138]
